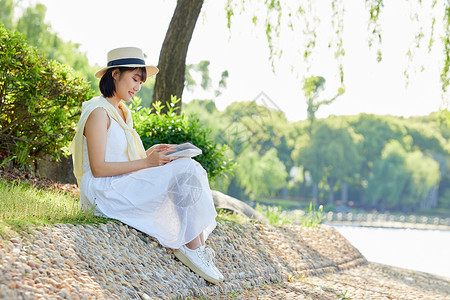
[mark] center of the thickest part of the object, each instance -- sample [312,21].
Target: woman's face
[127,83]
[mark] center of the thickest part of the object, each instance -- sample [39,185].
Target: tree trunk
[331,184]
[344,192]
[172,59]
[315,192]
[431,199]
[302,191]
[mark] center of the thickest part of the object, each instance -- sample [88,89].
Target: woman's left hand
[159,148]
[157,156]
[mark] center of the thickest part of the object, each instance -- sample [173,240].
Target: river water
[415,249]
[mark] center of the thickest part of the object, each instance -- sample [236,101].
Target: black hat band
[126,61]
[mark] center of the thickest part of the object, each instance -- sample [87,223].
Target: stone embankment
[389,220]
[376,220]
[114,261]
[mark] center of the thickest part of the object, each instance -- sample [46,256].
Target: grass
[273,214]
[343,296]
[225,215]
[276,216]
[313,217]
[23,205]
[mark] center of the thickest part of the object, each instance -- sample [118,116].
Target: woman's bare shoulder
[98,116]
[98,112]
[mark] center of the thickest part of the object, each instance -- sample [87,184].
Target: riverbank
[388,224]
[379,220]
[114,261]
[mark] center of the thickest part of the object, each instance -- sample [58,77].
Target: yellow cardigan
[135,147]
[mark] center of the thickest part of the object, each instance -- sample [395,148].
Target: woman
[166,197]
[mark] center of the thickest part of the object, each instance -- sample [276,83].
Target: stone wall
[61,171]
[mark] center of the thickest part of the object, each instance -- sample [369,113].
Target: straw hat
[126,57]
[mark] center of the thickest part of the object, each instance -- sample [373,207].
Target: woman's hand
[156,155]
[159,147]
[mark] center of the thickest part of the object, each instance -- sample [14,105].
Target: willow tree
[300,17]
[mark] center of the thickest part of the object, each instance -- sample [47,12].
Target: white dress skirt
[172,203]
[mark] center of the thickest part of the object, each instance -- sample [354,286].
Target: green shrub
[170,128]
[40,101]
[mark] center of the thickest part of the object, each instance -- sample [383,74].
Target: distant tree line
[372,161]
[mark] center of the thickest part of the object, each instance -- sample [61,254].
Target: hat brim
[151,70]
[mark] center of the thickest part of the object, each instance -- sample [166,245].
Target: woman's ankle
[195,243]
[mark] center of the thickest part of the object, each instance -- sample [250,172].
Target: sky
[371,87]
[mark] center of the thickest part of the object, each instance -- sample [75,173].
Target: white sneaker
[200,262]
[221,277]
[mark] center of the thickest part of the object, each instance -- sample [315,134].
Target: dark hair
[107,86]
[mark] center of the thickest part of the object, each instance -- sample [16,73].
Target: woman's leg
[197,242]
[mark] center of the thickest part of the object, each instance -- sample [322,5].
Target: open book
[185,150]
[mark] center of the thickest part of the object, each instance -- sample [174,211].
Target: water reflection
[422,250]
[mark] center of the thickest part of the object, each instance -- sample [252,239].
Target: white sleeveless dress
[172,203]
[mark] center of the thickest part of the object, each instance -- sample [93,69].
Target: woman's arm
[95,130]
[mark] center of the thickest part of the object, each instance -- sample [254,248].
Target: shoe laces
[207,255]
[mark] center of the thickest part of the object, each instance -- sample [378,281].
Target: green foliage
[444,200]
[39,34]
[273,214]
[6,13]
[312,87]
[40,100]
[170,128]
[377,131]
[260,175]
[226,215]
[285,204]
[247,125]
[389,176]
[340,149]
[333,151]
[313,216]
[424,175]
[374,27]
[402,178]
[337,21]
[444,119]
[344,296]
[202,68]
[203,107]
[206,112]
[301,144]
[445,73]
[146,92]
[426,138]
[33,26]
